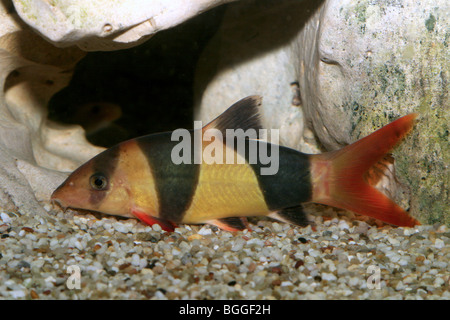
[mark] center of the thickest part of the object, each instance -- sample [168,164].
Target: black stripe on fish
[291,184]
[175,183]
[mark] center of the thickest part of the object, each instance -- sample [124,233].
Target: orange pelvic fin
[147,219]
[232,224]
[339,176]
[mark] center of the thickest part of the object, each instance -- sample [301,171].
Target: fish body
[139,177]
[95,116]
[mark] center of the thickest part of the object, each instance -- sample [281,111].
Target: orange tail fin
[338,176]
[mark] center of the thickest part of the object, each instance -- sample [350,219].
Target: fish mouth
[99,215]
[58,202]
[55,199]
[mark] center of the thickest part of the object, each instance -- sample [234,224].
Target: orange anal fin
[150,220]
[231,224]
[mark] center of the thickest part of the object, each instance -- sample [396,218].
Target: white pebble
[409,231]
[354,281]
[5,217]
[314,253]
[439,244]
[27,282]
[156,227]
[31,236]
[309,259]
[160,296]
[305,287]
[37,263]
[238,245]
[107,226]
[331,266]
[433,271]
[54,242]
[13,263]
[343,225]
[135,260]
[393,241]
[205,231]
[328,276]
[440,264]
[120,227]
[50,279]
[143,263]
[393,256]
[400,286]
[403,261]
[78,245]
[96,267]
[16,294]
[410,279]
[42,228]
[277,227]
[438,282]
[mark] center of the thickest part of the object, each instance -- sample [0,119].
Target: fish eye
[98,182]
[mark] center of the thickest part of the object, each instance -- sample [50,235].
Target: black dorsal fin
[244,114]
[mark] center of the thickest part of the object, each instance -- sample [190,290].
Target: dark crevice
[123,94]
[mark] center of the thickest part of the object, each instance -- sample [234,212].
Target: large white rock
[31,71]
[107,24]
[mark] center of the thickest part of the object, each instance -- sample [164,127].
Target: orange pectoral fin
[148,219]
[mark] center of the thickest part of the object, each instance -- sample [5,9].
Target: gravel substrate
[338,258]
